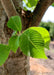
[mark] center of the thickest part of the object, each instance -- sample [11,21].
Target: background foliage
[30,4]
[50,27]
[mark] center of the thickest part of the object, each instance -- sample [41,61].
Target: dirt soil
[42,66]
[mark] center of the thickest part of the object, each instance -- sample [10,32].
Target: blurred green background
[50,27]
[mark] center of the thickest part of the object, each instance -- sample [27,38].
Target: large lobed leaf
[4,52]
[15,23]
[32,42]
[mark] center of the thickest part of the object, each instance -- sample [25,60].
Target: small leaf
[4,52]
[32,43]
[30,4]
[14,43]
[15,23]
[14,33]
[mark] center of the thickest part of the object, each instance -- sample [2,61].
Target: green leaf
[14,43]
[53,4]
[32,43]
[14,33]
[30,4]
[45,35]
[15,23]
[4,52]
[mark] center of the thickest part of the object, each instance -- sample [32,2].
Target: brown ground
[42,66]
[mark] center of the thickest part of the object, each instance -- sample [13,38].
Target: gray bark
[16,64]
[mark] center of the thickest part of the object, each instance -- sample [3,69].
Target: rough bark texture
[2,36]
[9,7]
[16,64]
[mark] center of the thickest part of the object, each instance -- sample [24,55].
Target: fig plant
[32,41]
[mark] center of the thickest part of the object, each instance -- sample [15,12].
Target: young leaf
[32,44]
[30,4]
[14,43]
[4,52]
[14,33]
[15,23]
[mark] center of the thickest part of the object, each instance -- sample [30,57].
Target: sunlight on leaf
[32,43]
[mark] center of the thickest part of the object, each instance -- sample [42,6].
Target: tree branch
[18,3]
[39,11]
[9,8]
[52,1]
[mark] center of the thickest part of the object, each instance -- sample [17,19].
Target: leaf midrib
[15,24]
[30,41]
